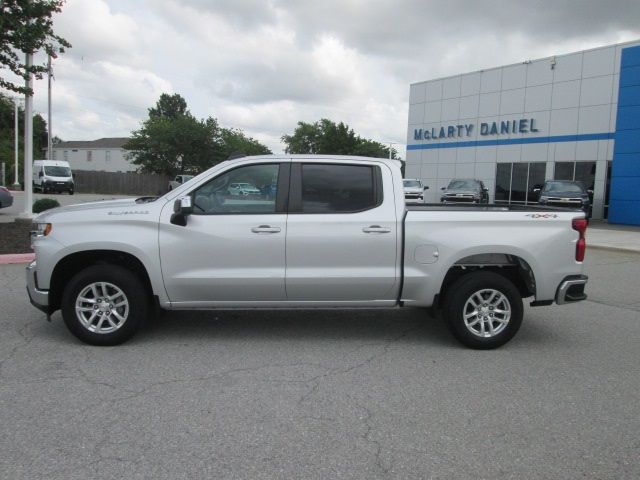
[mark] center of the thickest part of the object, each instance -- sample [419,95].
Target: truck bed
[484,207]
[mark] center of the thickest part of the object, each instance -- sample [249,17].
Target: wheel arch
[513,267]
[73,263]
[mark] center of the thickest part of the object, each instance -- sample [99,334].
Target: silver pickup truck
[317,232]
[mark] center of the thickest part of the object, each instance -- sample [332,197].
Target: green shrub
[44,204]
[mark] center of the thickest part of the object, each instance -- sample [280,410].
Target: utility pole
[28,140]
[16,182]
[49,146]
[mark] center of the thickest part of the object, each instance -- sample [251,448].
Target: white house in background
[104,154]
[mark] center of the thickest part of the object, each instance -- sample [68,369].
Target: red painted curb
[17,258]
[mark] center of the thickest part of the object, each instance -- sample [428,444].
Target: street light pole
[49,150]
[28,140]
[16,182]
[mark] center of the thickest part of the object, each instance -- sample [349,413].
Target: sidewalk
[621,238]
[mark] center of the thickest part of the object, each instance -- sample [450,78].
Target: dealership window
[584,172]
[517,182]
[107,156]
[66,155]
[581,171]
[89,155]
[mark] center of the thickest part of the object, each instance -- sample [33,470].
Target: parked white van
[52,176]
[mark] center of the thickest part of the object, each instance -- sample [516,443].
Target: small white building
[104,154]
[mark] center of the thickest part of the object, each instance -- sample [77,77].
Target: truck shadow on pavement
[408,326]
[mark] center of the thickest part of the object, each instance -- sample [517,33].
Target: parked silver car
[243,189]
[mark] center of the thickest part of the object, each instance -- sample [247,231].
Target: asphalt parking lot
[327,394]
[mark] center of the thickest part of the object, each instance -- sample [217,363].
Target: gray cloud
[264,65]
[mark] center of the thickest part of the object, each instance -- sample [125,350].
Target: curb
[13,258]
[613,249]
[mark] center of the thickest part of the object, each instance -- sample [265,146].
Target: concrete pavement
[327,394]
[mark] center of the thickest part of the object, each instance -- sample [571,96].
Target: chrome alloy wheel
[487,313]
[102,307]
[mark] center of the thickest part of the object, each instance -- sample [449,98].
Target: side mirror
[485,189]
[590,192]
[182,208]
[426,187]
[40,174]
[443,188]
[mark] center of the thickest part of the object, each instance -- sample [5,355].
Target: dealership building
[569,117]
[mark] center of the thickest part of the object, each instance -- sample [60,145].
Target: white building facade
[573,117]
[104,154]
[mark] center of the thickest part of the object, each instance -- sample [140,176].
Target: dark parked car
[465,191]
[566,193]
[6,199]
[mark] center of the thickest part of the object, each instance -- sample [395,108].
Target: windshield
[412,184]
[57,171]
[569,187]
[463,184]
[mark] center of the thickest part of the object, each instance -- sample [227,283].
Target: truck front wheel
[104,305]
[483,310]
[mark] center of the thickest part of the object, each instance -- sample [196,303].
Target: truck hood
[413,190]
[111,207]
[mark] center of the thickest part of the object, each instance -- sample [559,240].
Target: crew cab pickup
[336,234]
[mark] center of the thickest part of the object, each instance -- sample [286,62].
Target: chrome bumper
[38,298]
[571,289]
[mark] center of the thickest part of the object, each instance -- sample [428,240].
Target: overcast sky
[263,65]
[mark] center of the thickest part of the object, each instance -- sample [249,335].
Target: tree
[173,141]
[236,142]
[327,137]
[7,136]
[26,26]
[170,106]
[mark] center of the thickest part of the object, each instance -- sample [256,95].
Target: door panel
[339,257]
[232,248]
[221,258]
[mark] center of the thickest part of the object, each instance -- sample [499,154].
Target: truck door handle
[266,229]
[376,229]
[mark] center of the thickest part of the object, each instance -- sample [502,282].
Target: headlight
[41,230]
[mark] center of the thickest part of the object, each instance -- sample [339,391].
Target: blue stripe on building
[514,141]
[624,202]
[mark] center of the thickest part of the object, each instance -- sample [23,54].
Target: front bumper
[58,186]
[38,298]
[571,289]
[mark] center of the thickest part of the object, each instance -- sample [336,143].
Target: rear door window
[334,188]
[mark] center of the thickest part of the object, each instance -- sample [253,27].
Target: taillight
[580,224]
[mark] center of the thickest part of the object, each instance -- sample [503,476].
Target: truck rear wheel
[104,305]
[483,310]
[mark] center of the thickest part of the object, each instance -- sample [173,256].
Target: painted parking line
[17,258]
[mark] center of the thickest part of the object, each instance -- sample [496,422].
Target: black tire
[483,283]
[70,192]
[127,282]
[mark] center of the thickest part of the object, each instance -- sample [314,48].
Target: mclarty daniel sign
[505,127]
